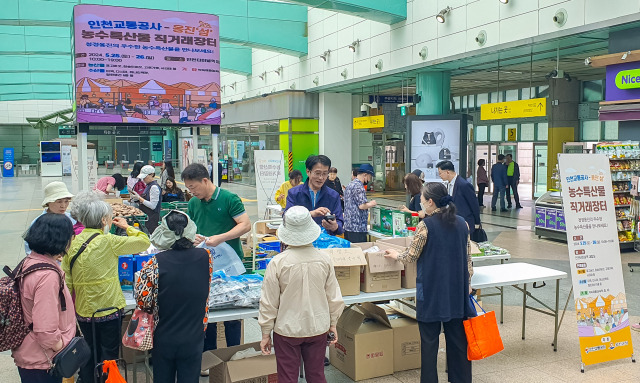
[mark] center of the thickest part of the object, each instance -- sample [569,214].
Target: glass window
[590,130]
[542,131]
[543,91]
[527,132]
[456,104]
[483,98]
[592,91]
[611,130]
[511,95]
[528,93]
[463,105]
[494,97]
[472,101]
[481,134]
[496,133]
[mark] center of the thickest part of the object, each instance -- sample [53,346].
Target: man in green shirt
[220,217]
[513,179]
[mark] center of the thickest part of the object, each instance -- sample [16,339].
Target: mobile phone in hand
[331,336]
[329,217]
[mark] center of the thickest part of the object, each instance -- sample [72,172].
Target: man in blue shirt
[500,184]
[356,206]
[319,199]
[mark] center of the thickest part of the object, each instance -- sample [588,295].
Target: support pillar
[335,125]
[194,135]
[83,171]
[214,152]
[434,89]
[564,126]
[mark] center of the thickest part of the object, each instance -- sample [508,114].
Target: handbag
[483,336]
[71,358]
[479,235]
[139,334]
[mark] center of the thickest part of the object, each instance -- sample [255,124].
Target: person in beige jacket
[301,301]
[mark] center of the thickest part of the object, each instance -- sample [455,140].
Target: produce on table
[120,210]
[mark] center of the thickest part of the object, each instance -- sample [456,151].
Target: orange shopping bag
[483,336]
[112,372]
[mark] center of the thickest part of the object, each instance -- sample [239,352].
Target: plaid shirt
[413,252]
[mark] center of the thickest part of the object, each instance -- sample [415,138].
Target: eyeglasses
[320,174]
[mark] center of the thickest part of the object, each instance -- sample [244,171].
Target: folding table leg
[556,329]
[524,308]
[501,304]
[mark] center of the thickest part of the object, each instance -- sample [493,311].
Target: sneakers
[635,326]
[204,372]
[519,207]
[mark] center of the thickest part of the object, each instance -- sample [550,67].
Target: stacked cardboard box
[380,273]
[347,263]
[257,369]
[371,344]
[410,272]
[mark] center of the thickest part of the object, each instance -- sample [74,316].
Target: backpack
[13,328]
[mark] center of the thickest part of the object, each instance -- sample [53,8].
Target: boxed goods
[386,221]
[126,271]
[141,261]
[375,218]
[406,337]
[254,369]
[410,272]
[347,263]
[365,346]
[380,273]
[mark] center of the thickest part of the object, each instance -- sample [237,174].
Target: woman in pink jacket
[49,239]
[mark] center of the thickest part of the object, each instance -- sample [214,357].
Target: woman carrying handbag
[179,310]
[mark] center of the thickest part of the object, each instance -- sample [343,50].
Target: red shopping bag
[483,336]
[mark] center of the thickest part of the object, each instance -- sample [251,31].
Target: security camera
[364,109]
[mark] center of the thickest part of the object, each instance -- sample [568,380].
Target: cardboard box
[365,347]
[126,271]
[262,228]
[399,222]
[222,338]
[410,272]
[347,263]
[386,221]
[380,273]
[375,218]
[141,261]
[258,369]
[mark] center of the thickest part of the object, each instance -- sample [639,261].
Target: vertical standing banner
[594,254]
[269,166]
[8,158]
[66,160]
[92,168]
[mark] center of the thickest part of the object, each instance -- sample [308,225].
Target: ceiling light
[587,61]
[379,65]
[263,76]
[625,55]
[423,52]
[440,16]
[233,86]
[279,70]
[325,55]
[292,86]
[344,74]
[481,39]
[560,18]
[353,45]
[504,1]
[316,80]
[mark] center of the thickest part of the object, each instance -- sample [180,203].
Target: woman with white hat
[56,200]
[301,301]
[149,201]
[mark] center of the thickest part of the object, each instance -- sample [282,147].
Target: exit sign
[67,131]
[403,110]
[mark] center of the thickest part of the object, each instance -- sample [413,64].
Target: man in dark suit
[513,179]
[464,196]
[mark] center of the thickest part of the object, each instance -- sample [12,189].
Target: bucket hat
[298,228]
[146,170]
[55,191]
[366,168]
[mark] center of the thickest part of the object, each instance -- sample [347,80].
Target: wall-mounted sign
[391,99]
[623,82]
[536,107]
[368,122]
[512,134]
[8,158]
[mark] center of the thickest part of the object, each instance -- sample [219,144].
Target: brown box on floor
[347,263]
[222,339]
[365,346]
[257,369]
[410,272]
[380,273]
[406,336]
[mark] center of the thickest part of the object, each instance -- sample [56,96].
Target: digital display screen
[50,146]
[51,157]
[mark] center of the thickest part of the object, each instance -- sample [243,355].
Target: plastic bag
[328,241]
[235,291]
[225,259]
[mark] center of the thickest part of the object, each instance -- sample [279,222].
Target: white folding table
[514,274]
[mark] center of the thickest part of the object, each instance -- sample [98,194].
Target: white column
[83,171]
[335,127]
[195,144]
[214,151]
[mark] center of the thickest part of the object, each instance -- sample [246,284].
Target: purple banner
[560,223]
[146,66]
[551,218]
[541,214]
[613,93]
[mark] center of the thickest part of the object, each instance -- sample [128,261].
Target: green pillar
[434,89]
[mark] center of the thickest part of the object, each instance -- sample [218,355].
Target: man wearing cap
[56,201]
[356,206]
[301,301]
[324,204]
[149,200]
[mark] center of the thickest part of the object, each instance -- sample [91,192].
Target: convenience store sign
[535,107]
[623,82]
[594,254]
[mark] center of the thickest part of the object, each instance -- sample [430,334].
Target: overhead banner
[269,169]
[594,254]
[536,107]
[146,66]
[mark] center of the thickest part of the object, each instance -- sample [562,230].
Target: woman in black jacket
[171,192]
[333,182]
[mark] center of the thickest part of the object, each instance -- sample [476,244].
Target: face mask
[106,229]
[422,207]
[366,183]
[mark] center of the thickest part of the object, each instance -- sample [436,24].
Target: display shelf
[617,206]
[622,191]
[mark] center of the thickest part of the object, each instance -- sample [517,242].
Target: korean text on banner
[8,162]
[269,168]
[146,66]
[594,254]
